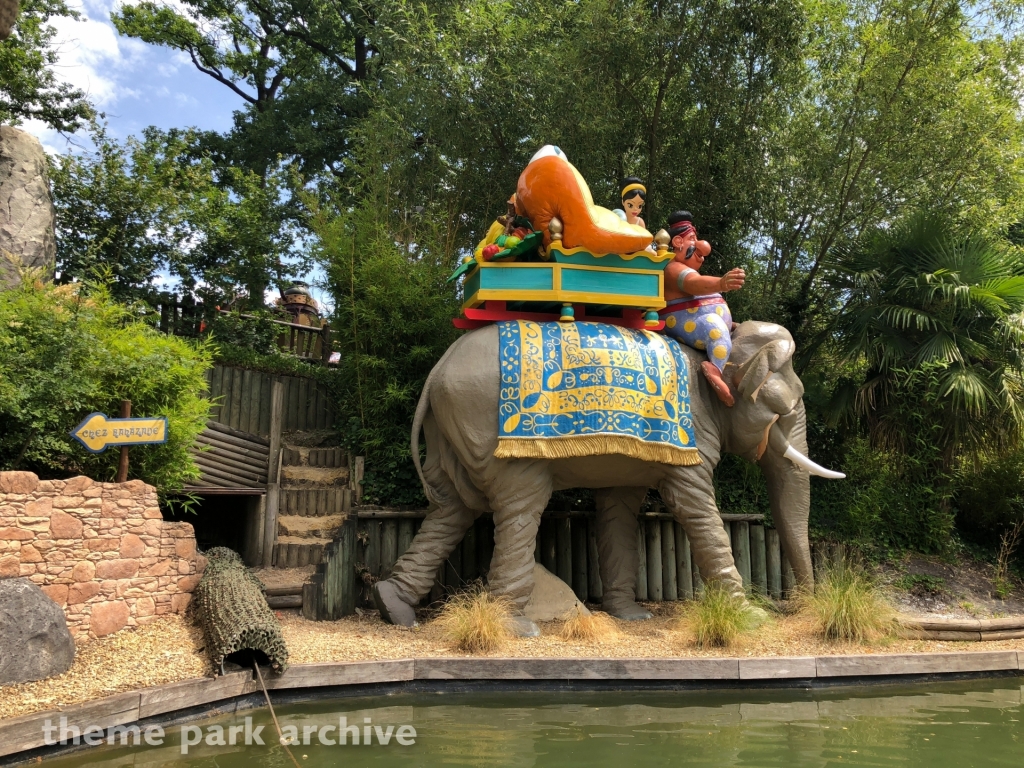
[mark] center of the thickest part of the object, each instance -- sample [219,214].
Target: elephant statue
[457,413]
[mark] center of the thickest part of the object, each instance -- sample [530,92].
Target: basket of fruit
[508,239]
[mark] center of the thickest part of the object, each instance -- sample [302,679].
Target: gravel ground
[165,651]
[170,649]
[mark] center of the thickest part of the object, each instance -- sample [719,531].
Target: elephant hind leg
[441,531]
[517,506]
[618,558]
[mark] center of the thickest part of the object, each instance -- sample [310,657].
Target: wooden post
[655,589]
[563,538]
[122,464]
[388,547]
[594,586]
[641,570]
[684,569]
[580,583]
[357,479]
[758,566]
[548,544]
[741,550]
[668,560]
[405,534]
[698,582]
[773,557]
[273,472]
[485,543]
[373,530]
[255,520]
[788,579]
[470,569]
[453,571]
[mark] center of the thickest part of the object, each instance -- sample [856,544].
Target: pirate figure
[697,314]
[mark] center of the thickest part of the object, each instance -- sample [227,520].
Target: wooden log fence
[373,539]
[242,401]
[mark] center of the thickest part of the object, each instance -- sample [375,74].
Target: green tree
[297,66]
[934,318]
[157,204]
[29,89]
[907,105]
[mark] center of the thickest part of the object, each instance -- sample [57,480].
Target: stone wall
[101,551]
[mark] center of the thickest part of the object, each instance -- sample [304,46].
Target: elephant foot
[714,377]
[393,609]
[627,611]
[523,626]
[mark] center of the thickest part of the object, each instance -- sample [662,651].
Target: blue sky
[135,84]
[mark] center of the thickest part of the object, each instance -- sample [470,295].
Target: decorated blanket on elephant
[587,389]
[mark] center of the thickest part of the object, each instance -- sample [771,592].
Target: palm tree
[934,320]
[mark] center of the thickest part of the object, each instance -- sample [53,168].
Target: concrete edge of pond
[22,738]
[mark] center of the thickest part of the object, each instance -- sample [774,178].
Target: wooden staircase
[315,499]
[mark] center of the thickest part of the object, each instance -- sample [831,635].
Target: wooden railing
[185,317]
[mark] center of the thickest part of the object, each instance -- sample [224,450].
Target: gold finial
[555,229]
[662,239]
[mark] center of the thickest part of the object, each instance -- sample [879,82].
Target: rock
[34,638]
[15,482]
[26,209]
[552,598]
[65,526]
[107,618]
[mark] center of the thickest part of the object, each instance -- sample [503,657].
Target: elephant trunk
[789,491]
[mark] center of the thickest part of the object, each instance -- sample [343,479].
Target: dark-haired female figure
[634,195]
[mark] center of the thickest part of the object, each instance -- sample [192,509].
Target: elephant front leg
[616,518]
[413,575]
[690,495]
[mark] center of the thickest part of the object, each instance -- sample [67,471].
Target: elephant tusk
[815,469]
[779,443]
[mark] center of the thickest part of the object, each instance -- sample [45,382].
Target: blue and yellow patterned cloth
[587,389]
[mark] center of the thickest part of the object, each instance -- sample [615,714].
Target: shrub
[65,354]
[476,621]
[717,618]
[846,604]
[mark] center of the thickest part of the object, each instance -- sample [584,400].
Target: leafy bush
[255,331]
[64,355]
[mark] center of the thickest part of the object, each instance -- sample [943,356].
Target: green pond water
[962,724]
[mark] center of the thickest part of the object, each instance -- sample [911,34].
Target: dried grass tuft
[588,628]
[717,618]
[847,605]
[476,621]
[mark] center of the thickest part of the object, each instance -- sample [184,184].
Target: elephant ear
[752,375]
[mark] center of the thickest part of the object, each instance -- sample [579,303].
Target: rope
[277,725]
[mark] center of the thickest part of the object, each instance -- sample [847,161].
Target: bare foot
[714,377]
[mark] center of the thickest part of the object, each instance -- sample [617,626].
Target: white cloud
[93,57]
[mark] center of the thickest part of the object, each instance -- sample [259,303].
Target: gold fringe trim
[575,446]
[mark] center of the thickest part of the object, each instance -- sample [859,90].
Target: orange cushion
[550,186]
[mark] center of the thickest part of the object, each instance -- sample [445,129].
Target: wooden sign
[97,432]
